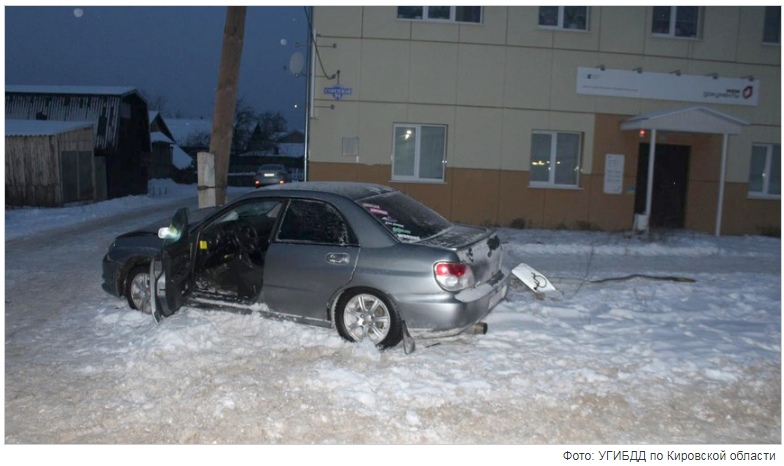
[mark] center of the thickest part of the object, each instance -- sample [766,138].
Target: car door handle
[338,258]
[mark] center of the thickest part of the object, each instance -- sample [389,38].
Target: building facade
[51,163]
[120,117]
[556,116]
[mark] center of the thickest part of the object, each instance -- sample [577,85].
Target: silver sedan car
[364,259]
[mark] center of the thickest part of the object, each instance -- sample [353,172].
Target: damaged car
[364,259]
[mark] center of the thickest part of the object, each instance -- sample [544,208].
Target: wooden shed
[50,163]
[118,114]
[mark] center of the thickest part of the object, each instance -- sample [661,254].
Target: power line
[318,55]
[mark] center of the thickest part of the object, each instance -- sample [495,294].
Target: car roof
[350,190]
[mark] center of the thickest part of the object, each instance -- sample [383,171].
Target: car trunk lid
[478,247]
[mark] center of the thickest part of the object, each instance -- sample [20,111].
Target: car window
[314,222]
[260,213]
[271,168]
[406,218]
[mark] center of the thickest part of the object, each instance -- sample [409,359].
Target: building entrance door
[670,183]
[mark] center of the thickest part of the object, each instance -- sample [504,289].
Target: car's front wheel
[137,288]
[361,314]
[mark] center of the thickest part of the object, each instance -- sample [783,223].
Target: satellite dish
[296,63]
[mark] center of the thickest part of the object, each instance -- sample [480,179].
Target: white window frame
[452,16]
[561,21]
[765,193]
[673,19]
[553,162]
[416,177]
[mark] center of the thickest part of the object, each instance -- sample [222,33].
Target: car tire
[365,313]
[137,288]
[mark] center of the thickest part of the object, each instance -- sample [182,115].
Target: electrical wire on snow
[624,278]
[649,277]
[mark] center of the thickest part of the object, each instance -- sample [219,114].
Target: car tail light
[454,276]
[282,182]
[258,183]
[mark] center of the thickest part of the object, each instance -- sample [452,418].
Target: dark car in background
[365,259]
[271,174]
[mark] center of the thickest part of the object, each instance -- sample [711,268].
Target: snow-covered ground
[630,360]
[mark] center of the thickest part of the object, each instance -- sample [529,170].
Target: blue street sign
[337,91]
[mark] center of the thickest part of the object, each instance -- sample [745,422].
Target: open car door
[171,270]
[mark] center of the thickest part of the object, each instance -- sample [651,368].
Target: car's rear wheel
[361,314]
[137,288]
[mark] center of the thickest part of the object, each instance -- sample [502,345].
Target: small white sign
[668,86]
[613,173]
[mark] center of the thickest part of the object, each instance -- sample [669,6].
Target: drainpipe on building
[720,209]
[311,94]
[649,187]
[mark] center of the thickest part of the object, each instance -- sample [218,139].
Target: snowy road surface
[625,361]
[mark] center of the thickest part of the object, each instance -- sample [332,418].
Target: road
[628,362]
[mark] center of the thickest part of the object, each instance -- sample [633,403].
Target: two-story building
[556,116]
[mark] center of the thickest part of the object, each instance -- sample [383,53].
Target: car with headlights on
[365,259]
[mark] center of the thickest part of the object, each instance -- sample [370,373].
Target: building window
[419,153]
[676,21]
[555,159]
[765,171]
[455,14]
[564,17]
[772,29]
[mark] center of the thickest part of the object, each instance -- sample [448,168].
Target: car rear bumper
[446,314]
[260,182]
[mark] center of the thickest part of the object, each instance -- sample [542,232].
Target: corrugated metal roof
[102,105]
[42,127]
[74,90]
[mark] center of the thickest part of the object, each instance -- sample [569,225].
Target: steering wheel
[246,237]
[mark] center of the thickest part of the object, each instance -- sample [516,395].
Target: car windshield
[271,168]
[406,218]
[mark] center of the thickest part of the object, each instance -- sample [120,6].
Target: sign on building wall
[667,86]
[337,91]
[613,173]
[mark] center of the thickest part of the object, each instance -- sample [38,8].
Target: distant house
[168,160]
[51,163]
[160,162]
[290,143]
[120,118]
[158,124]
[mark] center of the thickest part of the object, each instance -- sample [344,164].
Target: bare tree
[244,120]
[155,102]
[271,123]
[263,135]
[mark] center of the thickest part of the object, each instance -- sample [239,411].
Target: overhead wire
[315,45]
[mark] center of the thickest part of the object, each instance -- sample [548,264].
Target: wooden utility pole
[216,162]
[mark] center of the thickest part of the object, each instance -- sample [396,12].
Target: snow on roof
[42,127]
[182,129]
[157,136]
[283,134]
[180,158]
[82,90]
